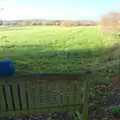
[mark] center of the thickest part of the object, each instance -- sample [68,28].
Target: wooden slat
[43,98]
[70,88]
[58,92]
[50,76]
[52,95]
[9,98]
[61,96]
[43,110]
[2,101]
[85,107]
[26,96]
[72,98]
[67,94]
[36,94]
[23,96]
[75,92]
[29,90]
[16,98]
[78,92]
[64,97]
[4,97]
[47,95]
[31,95]
[57,87]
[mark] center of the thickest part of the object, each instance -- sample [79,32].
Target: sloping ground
[56,49]
[61,49]
[105,80]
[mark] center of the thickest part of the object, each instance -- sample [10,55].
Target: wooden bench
[44,93]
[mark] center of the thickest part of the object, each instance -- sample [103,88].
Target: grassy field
[64,49]
[59,49]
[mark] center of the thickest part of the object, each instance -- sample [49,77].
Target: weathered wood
[49,76]
[8,97]
[43,93]
[2,101]
[15,97]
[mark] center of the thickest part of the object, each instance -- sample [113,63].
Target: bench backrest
[45,93]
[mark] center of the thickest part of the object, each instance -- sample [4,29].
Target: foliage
[98,97]
[115,111]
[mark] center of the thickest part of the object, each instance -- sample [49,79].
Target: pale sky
[56,9]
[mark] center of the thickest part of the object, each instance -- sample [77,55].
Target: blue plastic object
[7,68]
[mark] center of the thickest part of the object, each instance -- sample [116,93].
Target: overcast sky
[56,9]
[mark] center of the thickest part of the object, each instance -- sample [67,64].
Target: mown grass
[59,49]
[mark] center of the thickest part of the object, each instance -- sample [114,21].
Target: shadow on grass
[46,59]
[46,50]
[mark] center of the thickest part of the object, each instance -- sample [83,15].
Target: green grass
[59,49]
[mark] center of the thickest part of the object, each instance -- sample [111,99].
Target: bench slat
[16,98]
[41,95]
[8,97]
[2,101]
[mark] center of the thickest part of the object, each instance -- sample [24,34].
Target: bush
[115,111]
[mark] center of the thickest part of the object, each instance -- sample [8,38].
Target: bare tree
[111,22]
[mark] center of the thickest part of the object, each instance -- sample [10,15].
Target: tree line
[51,22]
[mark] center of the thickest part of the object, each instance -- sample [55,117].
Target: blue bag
[6,68]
